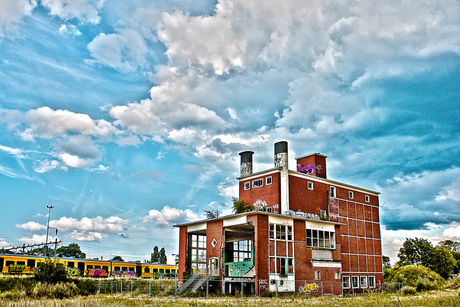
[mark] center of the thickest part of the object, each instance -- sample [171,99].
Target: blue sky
[128,116]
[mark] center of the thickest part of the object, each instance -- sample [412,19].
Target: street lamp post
[48,228]
[176,261]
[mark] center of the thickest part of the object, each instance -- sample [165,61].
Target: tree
[239,206]
[211,214]
[72,250]
[162,256]
[442,261]
[386,262]
[117,258]
[415,251]
[50,272]
[154,257]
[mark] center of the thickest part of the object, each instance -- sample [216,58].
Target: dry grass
[432,298]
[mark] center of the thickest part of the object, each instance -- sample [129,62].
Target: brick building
[307,233]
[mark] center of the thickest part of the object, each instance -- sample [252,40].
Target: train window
[21,263]
[162,270]
[124,269]
[146,269]
[31,263]
[168,271]
[117,268]
[131,269]
[106,268]
[97,266]
[155,270]
[70,264]
[9,262]
[89,267]
[173,271]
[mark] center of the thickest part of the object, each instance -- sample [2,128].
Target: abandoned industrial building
[307,234]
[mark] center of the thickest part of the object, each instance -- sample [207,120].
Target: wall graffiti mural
[260,203]
[308,288]
[302,214]
[246,169]
[309,169]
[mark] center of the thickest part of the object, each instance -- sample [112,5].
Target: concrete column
[281,160]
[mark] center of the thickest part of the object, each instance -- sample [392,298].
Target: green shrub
[454,283]
[409,275]
[408,290]
[50,272]
[64,290]
[85,286]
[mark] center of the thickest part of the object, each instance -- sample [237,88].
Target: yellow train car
[155,270]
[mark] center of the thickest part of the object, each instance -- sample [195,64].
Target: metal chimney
[246,163]
[281,160]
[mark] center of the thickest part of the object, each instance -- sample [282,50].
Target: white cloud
[4,243]
[46,123]
[169,216]
[87,225]
[69,30]
[83,10]
[31,226]
[11,14]
[46,166]
[36,239]
[90,236]
[18,153]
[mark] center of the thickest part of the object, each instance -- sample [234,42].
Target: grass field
[432,298]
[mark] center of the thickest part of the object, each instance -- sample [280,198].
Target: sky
[128,116]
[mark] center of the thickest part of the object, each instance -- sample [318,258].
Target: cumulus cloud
[83,10]
[169,216]
[90,236]
[4,243]
[31,226]
[36,239]
[112,224]
[69,30]
[149,174]
[11,14]
[46,123]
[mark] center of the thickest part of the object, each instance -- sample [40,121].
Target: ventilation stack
[281,161]
[246,163]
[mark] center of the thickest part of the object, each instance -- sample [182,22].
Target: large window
[354,282]
[281,232]
[371,281]
[363,281]
[258,183]
[320,238]
[346,282]
[242,250]
[198,252]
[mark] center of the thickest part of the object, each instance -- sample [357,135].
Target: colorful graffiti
[309,169]
[308,288]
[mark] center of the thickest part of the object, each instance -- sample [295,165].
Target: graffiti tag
[308,288]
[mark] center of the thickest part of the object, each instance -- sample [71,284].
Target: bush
[85,286]
[57,291]
[454,283]
[408,290]
[50,272]
[416,276]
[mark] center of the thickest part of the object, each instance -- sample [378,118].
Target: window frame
[353,283]
[261,180]
[337,274]
[317,275]
[367,199]
[371,285]
[346,284]
[351,195]
[247,185]
[310,186]
[362,284]
[268,180]
[333,191]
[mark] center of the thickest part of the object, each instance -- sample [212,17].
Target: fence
[265,287]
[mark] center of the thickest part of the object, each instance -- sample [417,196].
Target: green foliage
[454,283]
[117,258]
[239,206]
[154,257]
[72,251]
[417,276]
[162,256]
[408,290]
[50,272]
[85,286]
[60,290]
[442,261]
[386,262]
[210,214]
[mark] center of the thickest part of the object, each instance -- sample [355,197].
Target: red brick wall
[261,260]
[311,201]
[214,231]
[182,250]
[268,193]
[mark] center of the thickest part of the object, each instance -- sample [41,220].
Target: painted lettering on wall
[302,214]
[308,288]
[309,169]
[260,203]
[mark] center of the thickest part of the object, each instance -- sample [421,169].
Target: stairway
[194,283]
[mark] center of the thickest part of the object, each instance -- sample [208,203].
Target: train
[26,264]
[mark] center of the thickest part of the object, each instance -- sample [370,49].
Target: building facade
[306,234]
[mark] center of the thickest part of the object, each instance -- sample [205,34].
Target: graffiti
[263,284]
[280,160]
[309,169]
[246,169]
[302,215]
[308,288]
[260,203]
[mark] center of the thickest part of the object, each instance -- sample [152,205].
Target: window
[124,269]
[97,266]
[247,185]
[258,183]
[354,282]
[70,264]
[371,281]
[268,209]
[280,232]
[320,238]
[242,250]
[317,275]
[146,269]
[337,274]
[272,231]
[21,263]
[106,268]
[155,270]
[310,185]
[366,198]
[346,282]
[168,271]
[350,195]
[162,271]
[198,252]
[117,268]
[363,282]
[333,192]
[283,232]
[268,180]
[89,267]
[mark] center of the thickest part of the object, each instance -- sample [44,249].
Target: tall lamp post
[176,261]
[48,228]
